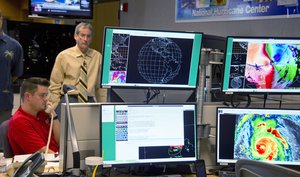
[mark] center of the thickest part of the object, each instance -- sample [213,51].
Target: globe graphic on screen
[159,60]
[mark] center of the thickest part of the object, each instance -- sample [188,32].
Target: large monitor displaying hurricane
[270,135]
[262,65]
[150,58]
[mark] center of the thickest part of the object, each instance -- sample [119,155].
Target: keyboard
[227,174]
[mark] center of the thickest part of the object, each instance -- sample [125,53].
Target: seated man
[29,127]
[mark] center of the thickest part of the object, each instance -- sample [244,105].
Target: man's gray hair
[84,25]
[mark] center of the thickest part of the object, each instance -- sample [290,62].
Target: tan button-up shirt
[66,70]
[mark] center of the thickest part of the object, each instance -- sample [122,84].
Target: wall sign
[226,10]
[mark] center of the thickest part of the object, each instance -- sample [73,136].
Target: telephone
[30,165]
[48,109]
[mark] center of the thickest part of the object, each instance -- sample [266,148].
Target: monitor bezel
[233,161]
[150,163]
[143,85]
[254,91]
[59,15]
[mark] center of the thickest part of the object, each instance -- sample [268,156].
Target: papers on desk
[52,165]
[52,157]
[48,157]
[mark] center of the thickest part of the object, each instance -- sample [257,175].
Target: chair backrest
[7,150]
[252,168]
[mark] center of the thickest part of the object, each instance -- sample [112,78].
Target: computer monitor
[61,8]
[150,58]
[262,65]
[270,135]
[139,134]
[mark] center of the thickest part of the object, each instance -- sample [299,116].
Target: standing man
[11,67]
[29,127]
[69,66]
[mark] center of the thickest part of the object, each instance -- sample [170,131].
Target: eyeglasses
[43,95]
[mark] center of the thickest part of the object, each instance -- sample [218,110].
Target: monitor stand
[175,170]
[138,95]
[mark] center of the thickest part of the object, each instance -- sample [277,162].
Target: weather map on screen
[259,134]
[269,134]
[150,58]
[262,65]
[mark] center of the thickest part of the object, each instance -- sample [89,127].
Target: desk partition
[86,118]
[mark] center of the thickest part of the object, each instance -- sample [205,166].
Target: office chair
[253,168]
[7,150]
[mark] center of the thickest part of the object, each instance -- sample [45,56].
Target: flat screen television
[262,65]
[270,135]
[61,8]
[150,58]
[136,134]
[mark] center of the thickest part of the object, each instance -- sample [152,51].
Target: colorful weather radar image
[273,65]
[175,151]
[268,137]
[118,76]
[182,150]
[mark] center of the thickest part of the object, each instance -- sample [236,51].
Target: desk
[195,175]
[50,167]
